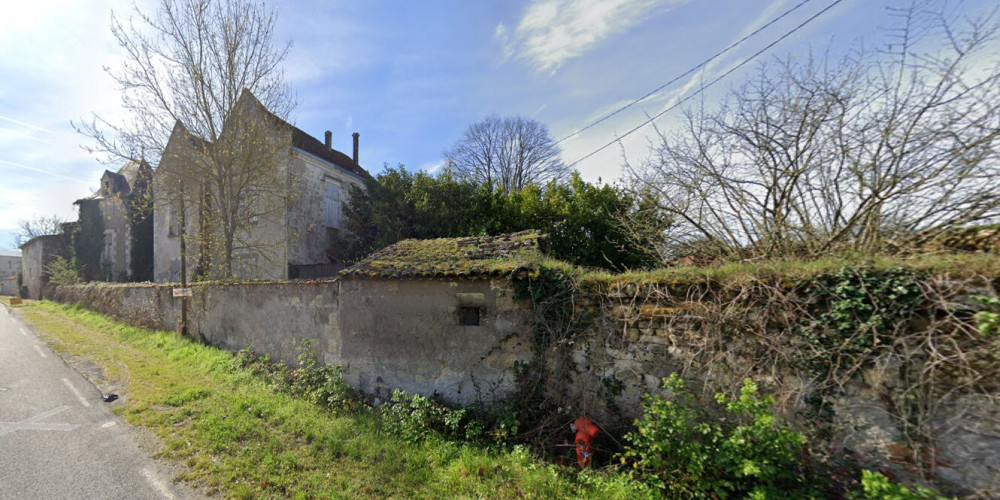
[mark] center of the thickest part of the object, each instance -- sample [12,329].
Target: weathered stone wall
[36,255]
[386,334]
[407,334]
[715,338]
[273,318]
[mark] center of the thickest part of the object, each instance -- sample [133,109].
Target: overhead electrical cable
[711,83]
[688,72]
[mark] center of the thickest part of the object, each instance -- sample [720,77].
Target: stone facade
[120,201]
[10,268]
[297,239]
[36,254]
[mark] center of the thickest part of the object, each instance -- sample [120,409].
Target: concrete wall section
[408,334]
[386,334]
[273,318]
[36,255]
[10,268]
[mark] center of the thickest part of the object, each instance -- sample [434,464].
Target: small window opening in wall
[468,316]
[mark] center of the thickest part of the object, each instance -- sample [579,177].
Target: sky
[409,77]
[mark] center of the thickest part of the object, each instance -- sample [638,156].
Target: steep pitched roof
[306,142]
[135,173]
[459,257]
[132,176]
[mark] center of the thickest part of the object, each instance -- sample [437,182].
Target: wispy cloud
[433,167]
[41,171]
[23,124]
[552,32]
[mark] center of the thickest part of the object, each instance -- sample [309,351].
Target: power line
[688,72]
[713,82]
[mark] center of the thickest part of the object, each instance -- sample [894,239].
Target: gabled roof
[445,257]
[132,176]
[113,183]
[306,142]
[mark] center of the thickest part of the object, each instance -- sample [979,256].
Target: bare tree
[39,226]
[815,156]
[507,153]
[213,66]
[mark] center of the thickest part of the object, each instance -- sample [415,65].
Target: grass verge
[240,438]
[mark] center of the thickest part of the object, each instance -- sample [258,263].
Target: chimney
[356,135]
[329,139]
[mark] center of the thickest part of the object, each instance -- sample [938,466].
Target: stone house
[437,317]
[36,254]
[114,238]
[295,238]
[10,267]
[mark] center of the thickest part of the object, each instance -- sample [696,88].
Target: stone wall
[419,335]
[409,334]
[36,254]
[716,336]
[386,334]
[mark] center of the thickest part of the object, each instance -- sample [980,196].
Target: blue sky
[410,76]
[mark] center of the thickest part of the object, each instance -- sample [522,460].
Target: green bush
[988,321]
[63,272]
[415,417]
[878,487]
[677,448]
[318,382]
[323,384]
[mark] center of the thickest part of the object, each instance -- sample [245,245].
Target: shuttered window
[332,204]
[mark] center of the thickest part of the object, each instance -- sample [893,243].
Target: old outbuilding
[438,317]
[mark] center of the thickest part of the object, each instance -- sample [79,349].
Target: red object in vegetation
[586,430]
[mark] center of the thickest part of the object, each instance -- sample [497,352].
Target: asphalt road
[58,439]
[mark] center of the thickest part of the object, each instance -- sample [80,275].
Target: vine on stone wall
[912,339]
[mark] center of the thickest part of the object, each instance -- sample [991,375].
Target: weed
[878,487]
[678,449]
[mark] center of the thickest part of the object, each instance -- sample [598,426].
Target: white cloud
[551,32]
[433,167]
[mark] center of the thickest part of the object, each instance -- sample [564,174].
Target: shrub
[63,272]
[318,382]
[988,320]
[878,487]
[414,418]
[677,448]
[323,384]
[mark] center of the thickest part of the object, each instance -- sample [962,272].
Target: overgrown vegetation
[247,427]
[586,223]
[747,453]
[63,271]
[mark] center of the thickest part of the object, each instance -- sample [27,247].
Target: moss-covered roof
[453,257]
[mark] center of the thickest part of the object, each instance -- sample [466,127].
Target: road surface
[58,439]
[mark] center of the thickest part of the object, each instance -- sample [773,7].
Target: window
[109,246]
[332,204]
[173,222]
[468,316]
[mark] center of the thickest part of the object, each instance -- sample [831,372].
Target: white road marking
[79,396]
[40,351]
[156,483]
[108,424]
[23,332]
[33,424]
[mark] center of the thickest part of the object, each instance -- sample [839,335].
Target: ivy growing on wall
[88,240]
